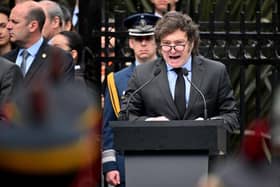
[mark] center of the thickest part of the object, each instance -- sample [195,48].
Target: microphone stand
[155,74]
[186,73]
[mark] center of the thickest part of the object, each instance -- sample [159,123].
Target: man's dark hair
[173,21]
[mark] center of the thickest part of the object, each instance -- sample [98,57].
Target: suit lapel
[163,86]
[198,72]
[39,60]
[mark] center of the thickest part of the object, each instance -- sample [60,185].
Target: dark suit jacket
[48,59]
[10,79]
[155,99]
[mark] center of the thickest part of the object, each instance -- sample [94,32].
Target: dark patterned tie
[24,60]
[180,92]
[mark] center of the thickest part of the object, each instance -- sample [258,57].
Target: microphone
[126,116]
[186,72]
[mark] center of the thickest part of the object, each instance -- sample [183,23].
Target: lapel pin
[44,55]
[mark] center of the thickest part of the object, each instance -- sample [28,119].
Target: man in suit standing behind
[170,96]
[160,7]
[37,59]
[54,22]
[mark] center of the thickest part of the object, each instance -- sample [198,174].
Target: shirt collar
[157,14]
[137,63]
[33,50]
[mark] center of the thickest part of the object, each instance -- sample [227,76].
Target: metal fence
[250,49]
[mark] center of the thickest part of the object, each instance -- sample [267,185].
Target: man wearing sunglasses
[142,42]
[187,84]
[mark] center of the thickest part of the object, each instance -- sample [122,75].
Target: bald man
[25,28]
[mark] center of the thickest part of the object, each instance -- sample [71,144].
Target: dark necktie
[24,60]
[180,92]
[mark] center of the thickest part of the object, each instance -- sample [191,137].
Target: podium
[168,153]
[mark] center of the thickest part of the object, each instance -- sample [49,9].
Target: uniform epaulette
[113,93]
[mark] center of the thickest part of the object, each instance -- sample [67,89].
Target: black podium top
[179,135]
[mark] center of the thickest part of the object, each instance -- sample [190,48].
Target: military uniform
[139,25]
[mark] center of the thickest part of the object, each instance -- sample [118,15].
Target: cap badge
[142,23]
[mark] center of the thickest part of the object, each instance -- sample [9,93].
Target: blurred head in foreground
[49,136]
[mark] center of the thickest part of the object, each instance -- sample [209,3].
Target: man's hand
[113,177]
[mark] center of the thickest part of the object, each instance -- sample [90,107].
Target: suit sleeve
[134,106]
[108,152]
[227,103]
[11,81]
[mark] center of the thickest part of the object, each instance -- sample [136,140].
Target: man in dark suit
[10,79]
[160,7]
[142,42]
[42,62]
[177,37]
